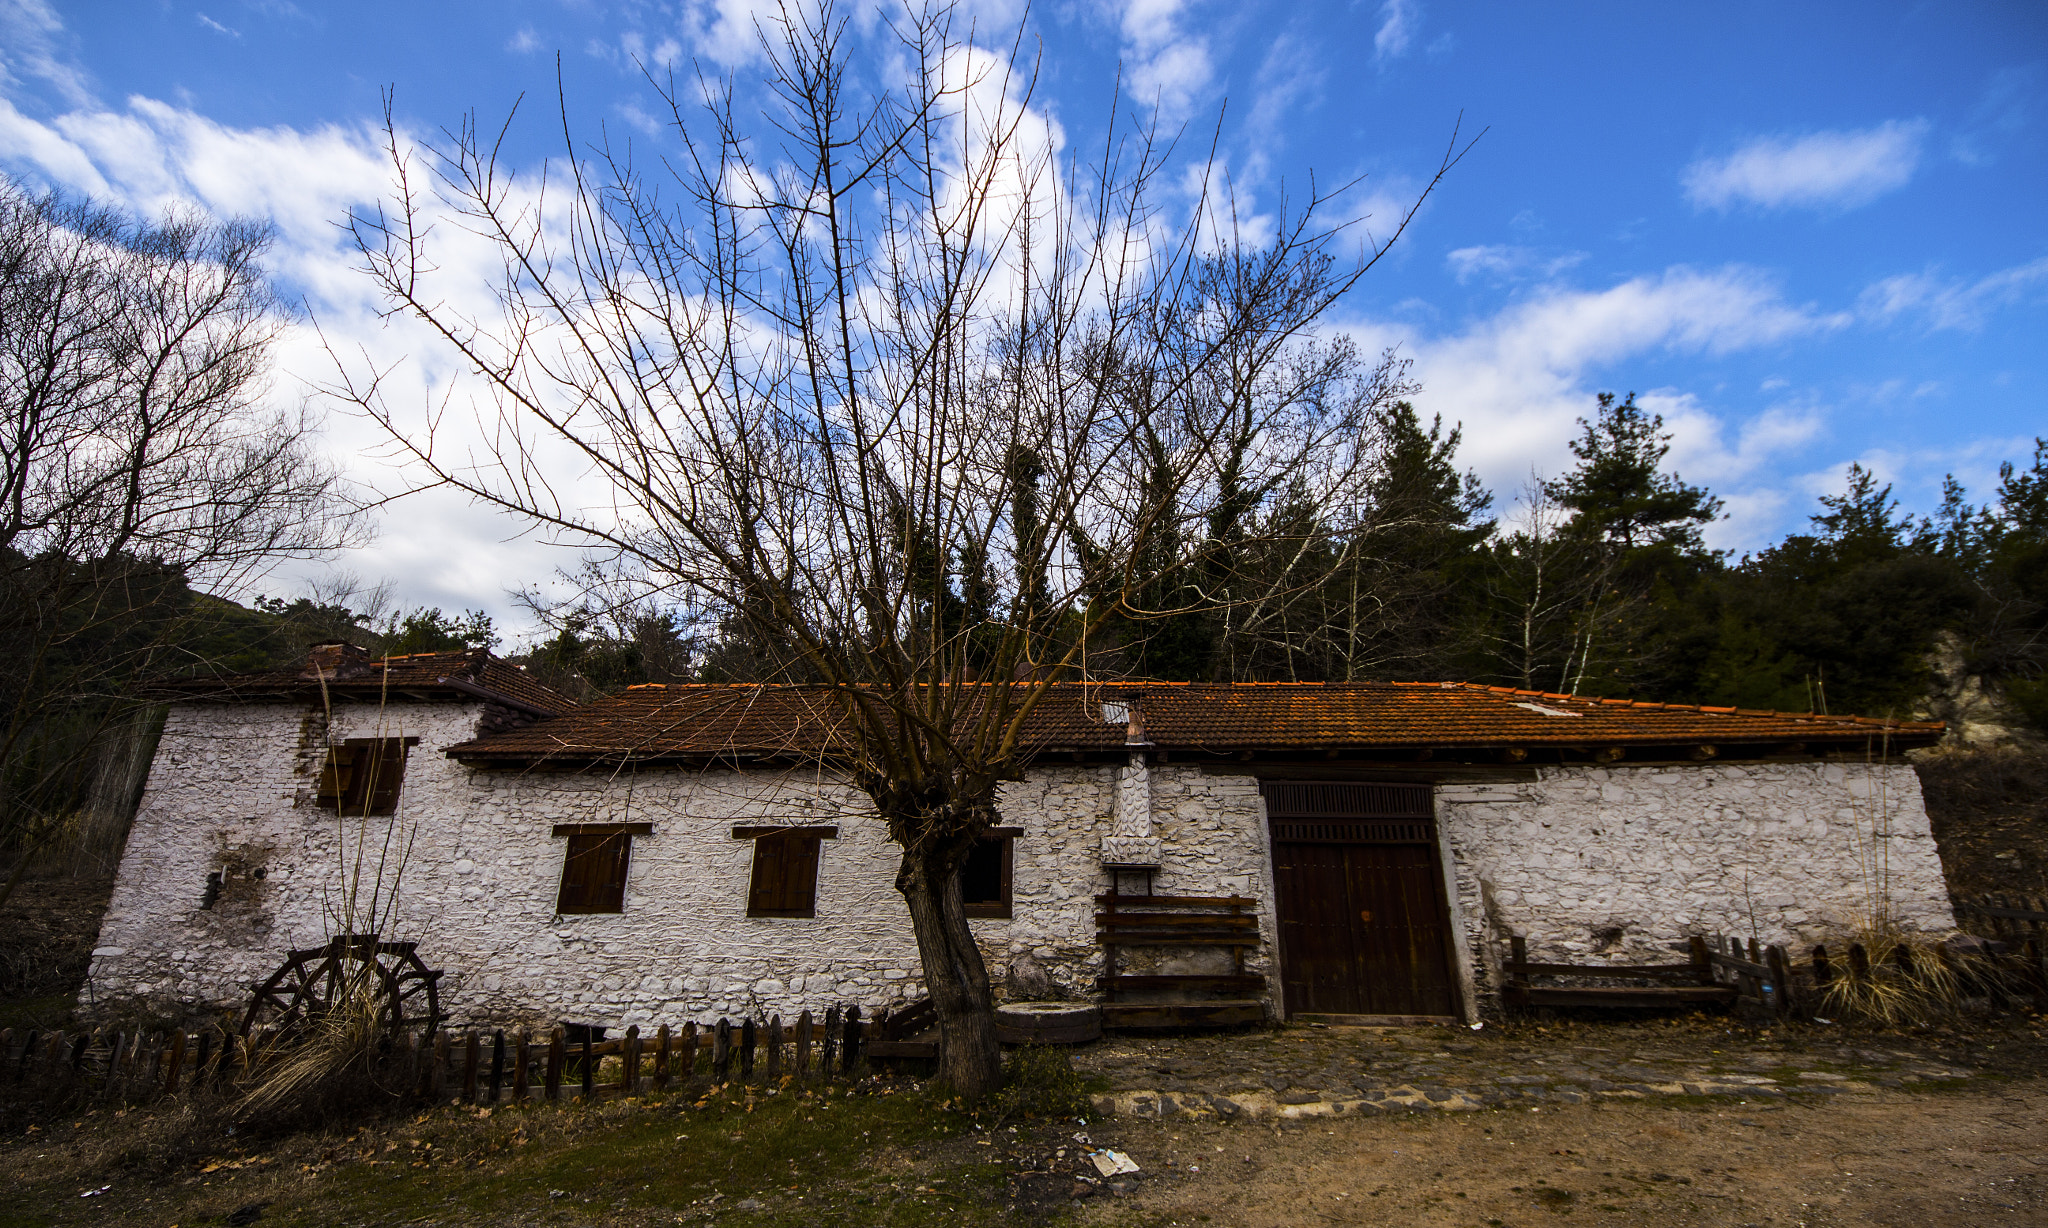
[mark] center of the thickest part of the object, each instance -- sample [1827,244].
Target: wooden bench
[1688,984]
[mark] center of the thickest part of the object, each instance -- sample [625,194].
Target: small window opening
[362,775]
[212,896]
[985,878]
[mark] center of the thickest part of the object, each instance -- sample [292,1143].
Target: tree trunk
[970,1062]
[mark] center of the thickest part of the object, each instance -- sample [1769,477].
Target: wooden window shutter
[386,771]
[594,874]
[336,774]
[785,877]
[363,775]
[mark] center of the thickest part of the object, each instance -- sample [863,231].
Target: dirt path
[1976,1157]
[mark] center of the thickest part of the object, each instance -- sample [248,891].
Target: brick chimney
[335,659]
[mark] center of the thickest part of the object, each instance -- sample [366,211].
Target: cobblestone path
[1316,1071]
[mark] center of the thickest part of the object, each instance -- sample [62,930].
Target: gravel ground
[1314,1071]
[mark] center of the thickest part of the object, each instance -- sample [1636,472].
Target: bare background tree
[139,470]
[906,405]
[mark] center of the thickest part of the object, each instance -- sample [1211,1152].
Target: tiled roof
[440,673]
[694,721]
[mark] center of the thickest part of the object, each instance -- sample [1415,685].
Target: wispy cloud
[1822,170]
[525,42]
[1952,303]
[1398,22]
[216,27]
[32,48]
[1506,262]
[1168,64]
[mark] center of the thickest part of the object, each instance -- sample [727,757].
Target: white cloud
[216,27]
[1398,22]
[1947,303]
[525,42]
[1167,66]
[1519,380]
[1838,170]
[31,35]
[1507,262]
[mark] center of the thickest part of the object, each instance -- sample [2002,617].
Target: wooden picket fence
[1769,980]
[475,1065]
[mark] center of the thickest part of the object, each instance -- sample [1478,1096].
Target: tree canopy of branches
[919,409]
[137,463]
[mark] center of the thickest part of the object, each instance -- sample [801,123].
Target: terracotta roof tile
[413,672]
[695,721]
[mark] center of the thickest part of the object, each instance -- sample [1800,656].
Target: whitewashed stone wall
[1616,862]
[1623,863]
[230,788]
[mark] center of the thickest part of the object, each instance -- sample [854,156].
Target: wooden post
[1702,960]
[831,1046]
[438,1079]
[721,1050]
[803,1046]
[775,1049]
[1859,962]
[497,1063]
[851,1054]
[473,1055]
[630,1084]
[747,1036]
[1756,956]
[553,1088]
[689,1070]
[199,1063]
[1902,955]
[589,1069]
[173,1067]
[522,1054]
[28,1047]
[661,1059]
[1781,975]
[1823,971]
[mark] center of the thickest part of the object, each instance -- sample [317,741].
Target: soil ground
[1969,1151]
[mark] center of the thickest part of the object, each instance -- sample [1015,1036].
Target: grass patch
[884,1156]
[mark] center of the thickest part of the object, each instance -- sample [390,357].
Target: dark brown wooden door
[1364,927]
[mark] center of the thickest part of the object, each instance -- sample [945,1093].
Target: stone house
[687,852]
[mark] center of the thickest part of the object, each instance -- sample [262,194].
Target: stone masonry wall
[1614,863]
[230,792]
[1621,864]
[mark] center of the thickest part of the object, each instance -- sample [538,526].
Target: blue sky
[1808,234]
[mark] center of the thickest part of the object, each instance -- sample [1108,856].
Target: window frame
[803,904]
[1001,908]
[583,835]
[354,795]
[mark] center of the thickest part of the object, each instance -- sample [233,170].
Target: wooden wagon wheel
[311,982]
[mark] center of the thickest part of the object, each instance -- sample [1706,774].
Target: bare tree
[137,463]
[890,388]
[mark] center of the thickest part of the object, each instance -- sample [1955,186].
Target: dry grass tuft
[329,1061]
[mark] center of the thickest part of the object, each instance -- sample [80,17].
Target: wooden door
[1364,926]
